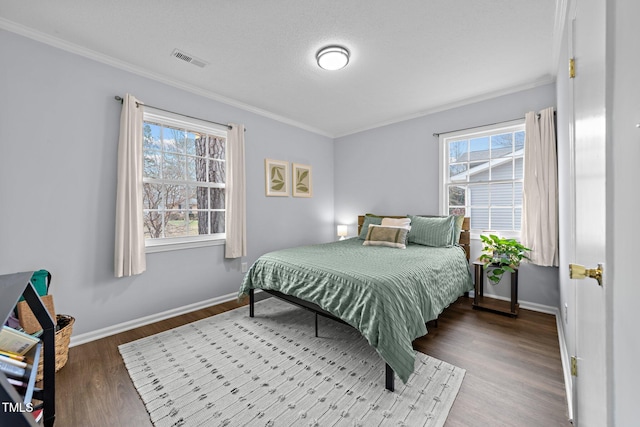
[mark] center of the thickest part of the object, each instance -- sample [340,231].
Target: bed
[387,293]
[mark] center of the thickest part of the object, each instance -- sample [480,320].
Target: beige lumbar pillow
[394,237]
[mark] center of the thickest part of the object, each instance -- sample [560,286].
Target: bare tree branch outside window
[184,182]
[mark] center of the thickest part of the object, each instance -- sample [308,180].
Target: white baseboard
[525,304]
[142,321]
[566,365]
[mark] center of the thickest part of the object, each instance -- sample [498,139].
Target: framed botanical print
[301,176]
[276,177]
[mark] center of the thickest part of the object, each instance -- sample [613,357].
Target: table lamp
[342,231]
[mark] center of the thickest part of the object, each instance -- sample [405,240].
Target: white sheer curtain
[235,218]
[540,189]
[129,256]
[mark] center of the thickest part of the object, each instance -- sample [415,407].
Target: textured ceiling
[408,58]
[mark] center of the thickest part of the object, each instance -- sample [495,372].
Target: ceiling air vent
[188,58]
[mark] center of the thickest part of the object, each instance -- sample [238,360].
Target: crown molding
[125,66]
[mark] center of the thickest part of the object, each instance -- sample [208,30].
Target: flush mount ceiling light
[332,57]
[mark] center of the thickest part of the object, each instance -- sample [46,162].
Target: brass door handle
[577,271]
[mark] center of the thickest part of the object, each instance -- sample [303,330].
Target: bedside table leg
[476,290]
[514,291]
[478,285]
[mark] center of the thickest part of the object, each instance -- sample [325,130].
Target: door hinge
[574,366]
[572,68]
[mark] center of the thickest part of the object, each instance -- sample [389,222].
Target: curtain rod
[488,124]
[228,126]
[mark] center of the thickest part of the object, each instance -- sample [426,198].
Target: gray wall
[394,170]
[58,140]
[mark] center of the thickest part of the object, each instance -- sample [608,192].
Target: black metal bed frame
[389,375]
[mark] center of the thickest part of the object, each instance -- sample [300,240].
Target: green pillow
[369,219]
[428,231]
[457,228]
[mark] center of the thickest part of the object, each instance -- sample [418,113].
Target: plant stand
[480,302]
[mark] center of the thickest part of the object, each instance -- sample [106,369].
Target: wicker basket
[63,336]
[28,320]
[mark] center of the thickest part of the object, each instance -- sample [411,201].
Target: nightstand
[508,308]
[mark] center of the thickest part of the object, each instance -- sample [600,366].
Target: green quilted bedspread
[388,294]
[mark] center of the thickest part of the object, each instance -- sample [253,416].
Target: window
[184,181]
[482,171]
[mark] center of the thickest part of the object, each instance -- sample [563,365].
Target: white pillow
[397,222]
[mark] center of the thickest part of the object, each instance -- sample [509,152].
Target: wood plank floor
[514,374]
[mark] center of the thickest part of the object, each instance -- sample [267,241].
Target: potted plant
[501,255]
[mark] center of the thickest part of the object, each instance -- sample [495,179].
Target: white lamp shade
[342,230]
[332,58]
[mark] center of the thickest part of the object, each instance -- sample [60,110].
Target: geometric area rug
[271,370]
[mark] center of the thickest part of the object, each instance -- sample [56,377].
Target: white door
[589,102]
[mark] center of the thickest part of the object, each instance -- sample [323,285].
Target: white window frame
[477,132]
[191,124]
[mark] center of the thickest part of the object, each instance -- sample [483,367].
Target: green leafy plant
[277,178]
[501,255]
[301,182]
